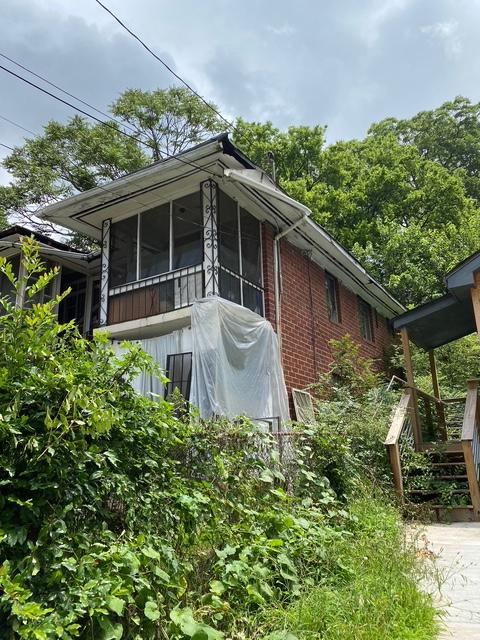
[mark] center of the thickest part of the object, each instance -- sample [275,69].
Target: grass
[370,587]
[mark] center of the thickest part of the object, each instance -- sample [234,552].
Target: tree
[448,135]
[406,217]
[76,156]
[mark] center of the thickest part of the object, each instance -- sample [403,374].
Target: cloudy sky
[344,63]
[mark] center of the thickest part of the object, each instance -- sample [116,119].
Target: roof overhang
[239,178]
[439,322]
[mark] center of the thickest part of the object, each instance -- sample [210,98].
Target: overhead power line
[15,124]
[167,66]
[67,93]
[100,121]
[6,146]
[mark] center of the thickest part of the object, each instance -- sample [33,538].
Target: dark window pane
[179,373]
[229,287]
[187,220]
[123,251]
[251,254]
[331,285]
[6,287]
[366,324]
[252,298]
[228,252]
[73,306]
[155,241]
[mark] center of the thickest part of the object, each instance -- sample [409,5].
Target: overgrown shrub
[120,520]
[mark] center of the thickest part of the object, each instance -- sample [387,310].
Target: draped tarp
[236,362]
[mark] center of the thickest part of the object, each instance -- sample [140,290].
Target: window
[123,251]
[168,237]
[179,373]
[155,241]
[239,255]
[6,287]
[366,320]
[187,222]
[333,298]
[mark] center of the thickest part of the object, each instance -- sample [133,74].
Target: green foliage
[375,596]
[118,520]
[348,372]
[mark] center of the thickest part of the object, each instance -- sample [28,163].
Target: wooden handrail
[396,425]
[471,444]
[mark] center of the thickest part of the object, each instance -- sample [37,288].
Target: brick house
[209,225]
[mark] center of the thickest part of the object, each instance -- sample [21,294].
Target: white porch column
[104,272]
[210,237]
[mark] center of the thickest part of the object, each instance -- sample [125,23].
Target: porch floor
[457,547]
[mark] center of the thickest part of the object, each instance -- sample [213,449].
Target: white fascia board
[200,161]
[261,182]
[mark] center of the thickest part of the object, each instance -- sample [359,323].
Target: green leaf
[217,587]
[151,610]
[116,604]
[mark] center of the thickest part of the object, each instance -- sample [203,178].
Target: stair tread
[448,464]
[426,491]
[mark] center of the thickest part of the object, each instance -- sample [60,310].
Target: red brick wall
[306,329]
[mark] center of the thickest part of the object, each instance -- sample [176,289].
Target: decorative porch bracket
[210,237]
[104,272]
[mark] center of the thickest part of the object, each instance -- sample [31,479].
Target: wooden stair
[442,487]
[433,447]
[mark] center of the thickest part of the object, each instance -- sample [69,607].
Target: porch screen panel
[155,241]
[230,287]
[6,287]
[251,252]
[123,251]
[187,232]
[229,250]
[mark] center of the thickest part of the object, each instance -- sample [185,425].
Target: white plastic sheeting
[236,363]
[159,348]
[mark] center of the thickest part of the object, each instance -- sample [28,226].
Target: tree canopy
[404,199]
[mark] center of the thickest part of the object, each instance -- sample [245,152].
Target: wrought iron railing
[159,294]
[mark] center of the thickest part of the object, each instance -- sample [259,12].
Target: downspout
[277,275]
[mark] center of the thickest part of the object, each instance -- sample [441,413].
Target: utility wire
[6,146]
[157,57]
[15,124]
[106,123]
[67,93]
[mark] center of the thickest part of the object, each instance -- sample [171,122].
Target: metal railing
[152,296]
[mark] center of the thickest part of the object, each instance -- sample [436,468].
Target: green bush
[120,520]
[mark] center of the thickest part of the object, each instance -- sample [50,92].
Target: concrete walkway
[456,585]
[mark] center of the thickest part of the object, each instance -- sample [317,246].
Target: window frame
[364,306]
[172,383]
[239,275]
[170,270]
[336,290]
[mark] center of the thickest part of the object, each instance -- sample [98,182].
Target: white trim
[149,326]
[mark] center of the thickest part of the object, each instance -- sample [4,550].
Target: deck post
[475,295]
[436,392]
[407,358]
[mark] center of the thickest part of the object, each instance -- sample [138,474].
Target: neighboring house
[208,223]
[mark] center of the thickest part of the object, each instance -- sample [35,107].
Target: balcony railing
[156,295]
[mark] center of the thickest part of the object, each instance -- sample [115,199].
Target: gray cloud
[338,62]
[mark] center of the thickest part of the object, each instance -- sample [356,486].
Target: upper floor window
[333,298]
[162,239]
[6,287]
[239,253]
[366,320]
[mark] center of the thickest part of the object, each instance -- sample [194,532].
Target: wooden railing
[401,437]
[471,444]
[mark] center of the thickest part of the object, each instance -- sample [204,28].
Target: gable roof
[218,158]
